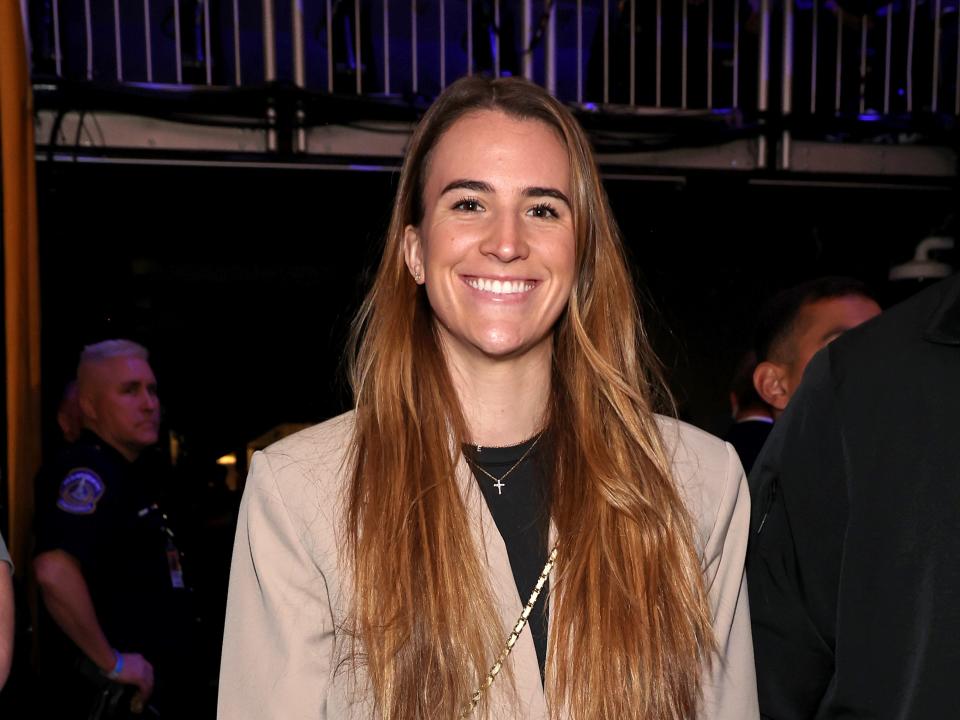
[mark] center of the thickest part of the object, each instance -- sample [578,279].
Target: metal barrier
[676,54]
[780,62]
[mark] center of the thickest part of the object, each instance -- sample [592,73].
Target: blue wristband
[117,668]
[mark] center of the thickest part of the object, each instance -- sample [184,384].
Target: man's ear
[413,253]
[769,379]
[87,410]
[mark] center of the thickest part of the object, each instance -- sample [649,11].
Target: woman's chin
[511,347]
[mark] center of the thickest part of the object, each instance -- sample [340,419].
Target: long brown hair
[630,626]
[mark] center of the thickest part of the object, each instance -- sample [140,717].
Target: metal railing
[783,58]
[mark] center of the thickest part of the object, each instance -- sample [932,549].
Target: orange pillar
[21,279]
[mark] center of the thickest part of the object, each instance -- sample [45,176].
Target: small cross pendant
[499,486]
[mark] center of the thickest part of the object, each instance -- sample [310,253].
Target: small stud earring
[418,276]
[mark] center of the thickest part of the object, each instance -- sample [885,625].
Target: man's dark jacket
[854,568]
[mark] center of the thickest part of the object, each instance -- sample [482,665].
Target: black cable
[55,132]
[76,139]
[541,28]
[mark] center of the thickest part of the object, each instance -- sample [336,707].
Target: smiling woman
[495,250]
[376,572]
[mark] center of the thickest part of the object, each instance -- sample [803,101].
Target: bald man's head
[117,393]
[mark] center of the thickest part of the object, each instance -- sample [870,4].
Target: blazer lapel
[503,588]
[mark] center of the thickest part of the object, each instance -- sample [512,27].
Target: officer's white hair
[107,349]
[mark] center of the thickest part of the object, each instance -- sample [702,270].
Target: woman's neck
[504,401]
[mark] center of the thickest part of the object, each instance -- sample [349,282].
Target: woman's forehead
[492,146]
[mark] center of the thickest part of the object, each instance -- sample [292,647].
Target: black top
[521,512]
[105,511]
[853,571]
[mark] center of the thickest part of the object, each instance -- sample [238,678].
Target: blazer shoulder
[692,449]
[318,448]
[707,472]
[306,471]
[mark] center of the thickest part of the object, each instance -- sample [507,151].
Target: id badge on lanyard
[173,554]
[173,563]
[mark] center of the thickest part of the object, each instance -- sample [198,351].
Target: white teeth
[500,287]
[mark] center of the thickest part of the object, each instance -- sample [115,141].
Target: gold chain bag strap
[512,638]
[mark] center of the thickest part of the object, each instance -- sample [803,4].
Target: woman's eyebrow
[546,192]
[474,185]
[484,187]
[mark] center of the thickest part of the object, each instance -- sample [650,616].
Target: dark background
[242,280]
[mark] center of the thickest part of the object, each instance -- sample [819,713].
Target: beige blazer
[288,593]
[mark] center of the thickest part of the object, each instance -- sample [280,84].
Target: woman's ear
[769,380]
[413,253]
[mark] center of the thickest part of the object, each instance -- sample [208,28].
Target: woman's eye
[543,210]
[468,204]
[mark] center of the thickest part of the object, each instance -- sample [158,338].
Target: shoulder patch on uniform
[80,491]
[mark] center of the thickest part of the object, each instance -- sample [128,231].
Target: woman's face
[495,247]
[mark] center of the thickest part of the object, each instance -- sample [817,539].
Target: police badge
[80,491]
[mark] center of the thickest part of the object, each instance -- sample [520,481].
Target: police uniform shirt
[101,509]
[4,553]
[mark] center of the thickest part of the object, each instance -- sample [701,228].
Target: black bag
[112,700]
[113,703]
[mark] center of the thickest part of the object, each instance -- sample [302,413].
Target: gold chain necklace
[514,635]
[498,481]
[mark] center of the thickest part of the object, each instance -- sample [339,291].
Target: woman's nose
[506,240]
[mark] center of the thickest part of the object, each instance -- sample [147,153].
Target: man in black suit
[853,572]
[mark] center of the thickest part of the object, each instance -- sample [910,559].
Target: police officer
[6,613]
[106,560]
